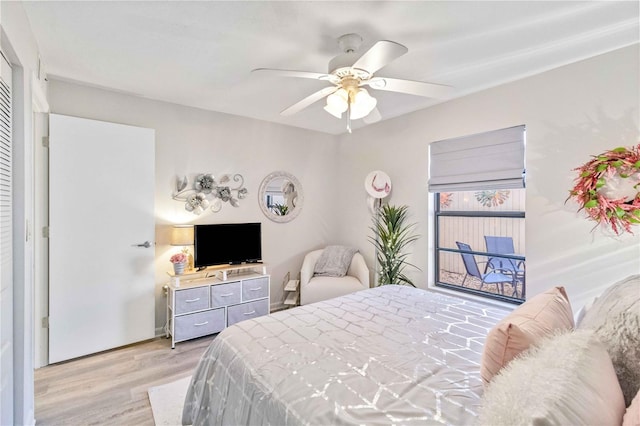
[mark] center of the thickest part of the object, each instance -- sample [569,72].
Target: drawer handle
[201,323]
[226,295]
[255,289]
[192,300]
[250,313]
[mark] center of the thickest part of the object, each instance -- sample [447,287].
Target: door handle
[146,244]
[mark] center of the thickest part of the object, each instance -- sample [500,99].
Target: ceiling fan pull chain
[349,116]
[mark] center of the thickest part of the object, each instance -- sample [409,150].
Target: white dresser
[199,306]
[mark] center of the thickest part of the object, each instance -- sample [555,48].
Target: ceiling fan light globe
[343,94]
[358,113]
[361,95]
[338,101]
[371,103]
[362,105]
[336,114]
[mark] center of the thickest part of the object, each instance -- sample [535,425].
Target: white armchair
[314,289]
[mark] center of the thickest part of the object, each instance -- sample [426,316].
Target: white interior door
[101,193]
[6,248]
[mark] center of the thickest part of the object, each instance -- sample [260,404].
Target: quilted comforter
[387,355]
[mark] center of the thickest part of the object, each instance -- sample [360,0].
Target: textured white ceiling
[201,53]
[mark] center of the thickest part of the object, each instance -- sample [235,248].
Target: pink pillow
[632,416]
[566,379]
[535,319]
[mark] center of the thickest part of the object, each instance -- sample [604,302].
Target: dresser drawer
[247,310]
[225,294]
[192,299]
[199,324]
[255,288]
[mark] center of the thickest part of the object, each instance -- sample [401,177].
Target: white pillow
[579,316]
[615,317]
[567,380]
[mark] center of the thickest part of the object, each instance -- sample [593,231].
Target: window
[479,213]
[480,242]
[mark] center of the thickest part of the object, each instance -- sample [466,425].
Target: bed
[391,354]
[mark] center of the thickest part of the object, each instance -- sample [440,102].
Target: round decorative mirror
[280,197]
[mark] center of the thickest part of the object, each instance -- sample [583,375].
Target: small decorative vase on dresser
[179,261]
[178,268]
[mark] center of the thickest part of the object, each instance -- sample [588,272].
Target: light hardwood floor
[110,388]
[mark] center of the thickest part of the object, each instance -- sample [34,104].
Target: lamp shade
[182,235]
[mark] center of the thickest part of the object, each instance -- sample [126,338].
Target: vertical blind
[6,243]
[489,160]
[6,248]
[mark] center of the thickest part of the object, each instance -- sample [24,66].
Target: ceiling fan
[349,72]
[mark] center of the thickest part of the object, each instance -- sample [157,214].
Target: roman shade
[490,160]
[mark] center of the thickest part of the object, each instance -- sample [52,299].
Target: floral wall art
[208,193]
[608,189]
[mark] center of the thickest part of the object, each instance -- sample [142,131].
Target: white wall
[190,141]
[571,113]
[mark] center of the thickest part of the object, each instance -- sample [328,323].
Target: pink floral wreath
[608,188]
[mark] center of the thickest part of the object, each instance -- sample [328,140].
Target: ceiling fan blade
[380,54]
[373,117]
[309,100]
[291,73]
[418,88]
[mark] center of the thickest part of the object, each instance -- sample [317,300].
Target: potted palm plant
[391,236]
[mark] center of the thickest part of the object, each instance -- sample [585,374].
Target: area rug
[167,401]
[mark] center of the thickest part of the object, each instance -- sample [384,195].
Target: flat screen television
[228,243]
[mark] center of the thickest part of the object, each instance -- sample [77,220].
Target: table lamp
[182,235]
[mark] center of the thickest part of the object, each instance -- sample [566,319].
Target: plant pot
[178,268]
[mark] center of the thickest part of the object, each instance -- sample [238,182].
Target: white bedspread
[388,355]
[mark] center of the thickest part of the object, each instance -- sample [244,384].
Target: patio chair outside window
[512,267]
[472,269]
